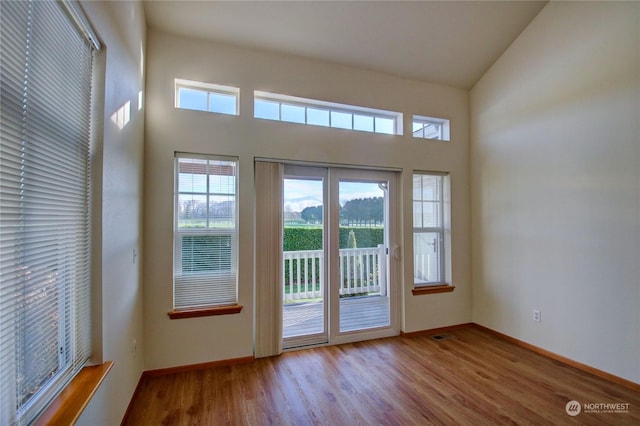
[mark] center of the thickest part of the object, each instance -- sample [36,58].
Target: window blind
[205,237]
[269,263]
[45,87]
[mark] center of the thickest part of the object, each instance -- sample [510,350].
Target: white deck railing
[362,271]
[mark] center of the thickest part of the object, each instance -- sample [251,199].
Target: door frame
[392,243]
[300,171]
[331,174]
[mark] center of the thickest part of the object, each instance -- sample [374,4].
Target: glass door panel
[336,269]
[362,262]
[304,269]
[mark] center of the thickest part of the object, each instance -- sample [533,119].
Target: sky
[299,193]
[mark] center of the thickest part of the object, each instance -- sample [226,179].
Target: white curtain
[268,186]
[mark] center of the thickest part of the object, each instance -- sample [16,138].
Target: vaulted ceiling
[445,42]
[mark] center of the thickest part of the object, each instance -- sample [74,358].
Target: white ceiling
[446,42]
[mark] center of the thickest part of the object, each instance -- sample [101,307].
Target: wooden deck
[356,313]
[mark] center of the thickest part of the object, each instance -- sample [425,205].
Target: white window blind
[205,237]
[45,82]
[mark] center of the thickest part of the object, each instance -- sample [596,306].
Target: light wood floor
[472,378]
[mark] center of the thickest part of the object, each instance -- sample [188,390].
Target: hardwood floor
[471,378]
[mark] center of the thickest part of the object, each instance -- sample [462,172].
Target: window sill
[67,407]
[204,312]
[418,291]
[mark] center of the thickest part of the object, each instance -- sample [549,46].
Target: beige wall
[181,342]
[118,166]
[555,178]
[556,186]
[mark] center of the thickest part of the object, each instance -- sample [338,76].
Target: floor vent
[441,336]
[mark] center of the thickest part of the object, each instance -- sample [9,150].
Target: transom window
[292,109]
[209,97]
[430,128]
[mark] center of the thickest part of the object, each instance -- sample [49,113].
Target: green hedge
[310,238]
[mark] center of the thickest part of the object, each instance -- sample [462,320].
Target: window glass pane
[430,128]
[417,214]
[222,103]
[432,131]
[206,253]
[341,120]
[222,211]
[318,117]
[222,184]
[192,175]
[222,177]
[431,188]
[192,211]
[266,109]
[426,261]
[417,187]
[40,338]
[385,125]
[363,123]
[430,214]
[293,113]
[192,99]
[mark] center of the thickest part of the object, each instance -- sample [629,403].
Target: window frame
[209,89]
[331,108]
[58,145]
[443,124]
[207,307]
[441,284]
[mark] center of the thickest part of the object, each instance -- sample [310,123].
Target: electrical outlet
[536,315]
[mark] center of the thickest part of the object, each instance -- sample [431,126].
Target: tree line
[359,211]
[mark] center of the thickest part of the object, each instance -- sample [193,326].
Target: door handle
[397,252]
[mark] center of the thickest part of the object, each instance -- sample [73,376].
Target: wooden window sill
[417,291]
[204,312]
[67,407]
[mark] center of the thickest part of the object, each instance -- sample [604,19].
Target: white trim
[77,15]
[328,165]
[208,88]
[218,88]
[442,246]
[222,285]
[444,131]
[334,106]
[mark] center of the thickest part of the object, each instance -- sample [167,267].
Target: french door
[339,279]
